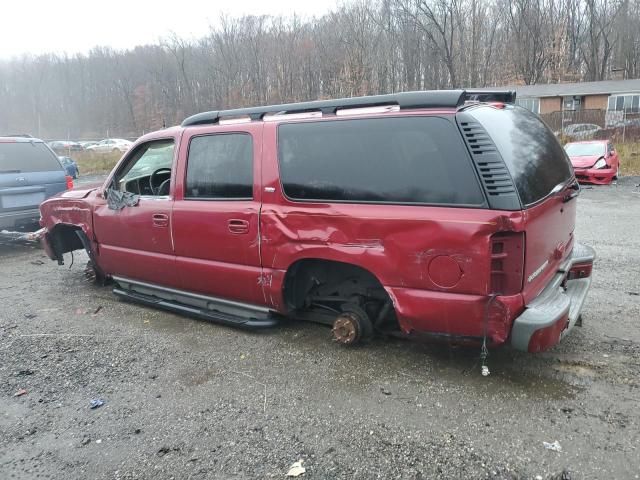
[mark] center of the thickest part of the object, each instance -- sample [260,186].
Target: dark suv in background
[29,173]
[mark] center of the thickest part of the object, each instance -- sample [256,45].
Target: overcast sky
[39,26]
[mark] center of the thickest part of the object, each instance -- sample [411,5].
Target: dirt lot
[190,399]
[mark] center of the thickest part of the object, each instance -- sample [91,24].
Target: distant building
[609,95]
[610,103]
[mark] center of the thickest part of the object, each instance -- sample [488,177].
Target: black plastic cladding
[496,179]
[405,100]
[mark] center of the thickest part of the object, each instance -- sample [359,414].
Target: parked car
[411,213]
[29,173]
[115,145]
[581,130]
[65,146]
[89,143]
[595,161]
[70,166]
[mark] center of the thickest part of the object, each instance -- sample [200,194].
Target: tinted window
[22,157]
[400,160]
[220,166]
[536,160]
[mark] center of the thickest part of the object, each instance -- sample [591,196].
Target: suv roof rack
[17,135]
[405,100]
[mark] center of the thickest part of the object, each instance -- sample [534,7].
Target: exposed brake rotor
[346,328]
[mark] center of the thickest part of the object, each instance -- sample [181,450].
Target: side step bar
[192,304]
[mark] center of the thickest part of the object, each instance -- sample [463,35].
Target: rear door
[544,180]
[216,212]
[29,173]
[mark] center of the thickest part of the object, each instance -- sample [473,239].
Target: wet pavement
[191,399]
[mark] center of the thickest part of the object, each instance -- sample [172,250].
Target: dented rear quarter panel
[412,250]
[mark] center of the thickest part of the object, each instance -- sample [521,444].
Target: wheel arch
[303,274]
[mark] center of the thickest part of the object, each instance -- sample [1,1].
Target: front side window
[382,160]
[220,167]
[148,170]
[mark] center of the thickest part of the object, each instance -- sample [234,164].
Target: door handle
[160,220]
[238,226]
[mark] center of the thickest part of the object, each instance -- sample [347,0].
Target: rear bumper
[597,176]
[18,218]
[553,313]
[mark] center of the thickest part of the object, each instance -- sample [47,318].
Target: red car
[419,213]
[595,161]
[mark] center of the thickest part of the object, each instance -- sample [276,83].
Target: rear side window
[536,160]
[220,166]
[382,160]
[24,157]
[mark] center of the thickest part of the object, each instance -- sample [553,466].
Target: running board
[192,304]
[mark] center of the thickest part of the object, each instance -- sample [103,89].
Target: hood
[585,161]
[80,192]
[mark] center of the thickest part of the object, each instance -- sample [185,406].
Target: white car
[116,145]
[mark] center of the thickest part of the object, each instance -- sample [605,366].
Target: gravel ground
[190,399]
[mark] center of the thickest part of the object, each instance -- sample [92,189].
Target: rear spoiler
[503,96]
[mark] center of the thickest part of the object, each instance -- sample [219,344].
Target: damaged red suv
[447,214]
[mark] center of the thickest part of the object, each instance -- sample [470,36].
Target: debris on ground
[555,446]
[9,236]
[296,469]
[20,393]
[96,403]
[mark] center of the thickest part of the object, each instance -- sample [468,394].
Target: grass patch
[629,154]
[91,162]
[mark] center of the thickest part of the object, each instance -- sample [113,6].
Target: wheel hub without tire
[346,328]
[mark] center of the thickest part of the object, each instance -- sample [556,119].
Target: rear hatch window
[536,160]
[25,157]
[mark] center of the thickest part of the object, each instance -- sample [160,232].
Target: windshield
[24,157]
[584,149]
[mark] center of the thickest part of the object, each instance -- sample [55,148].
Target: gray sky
[39,26]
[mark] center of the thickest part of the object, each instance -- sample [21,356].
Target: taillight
[507,263]
[69,182]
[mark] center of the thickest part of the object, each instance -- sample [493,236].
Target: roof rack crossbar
[405,100]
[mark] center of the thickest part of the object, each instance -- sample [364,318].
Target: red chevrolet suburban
[442,213]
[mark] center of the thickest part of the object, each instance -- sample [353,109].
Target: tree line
[360,48]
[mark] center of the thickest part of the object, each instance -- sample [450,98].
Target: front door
[134,241]
[216,212]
